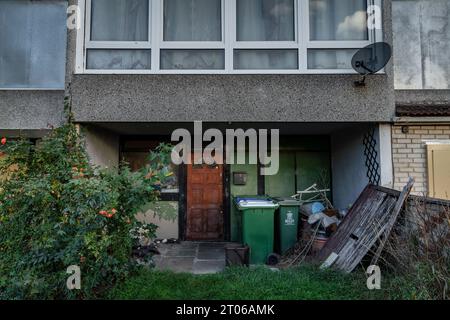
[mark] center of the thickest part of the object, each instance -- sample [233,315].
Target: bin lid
[237,199]
[287,201]
[256,203]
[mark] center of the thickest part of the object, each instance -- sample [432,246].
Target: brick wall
[410,156]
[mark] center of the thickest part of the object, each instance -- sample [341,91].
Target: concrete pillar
[102,146]
[385,154]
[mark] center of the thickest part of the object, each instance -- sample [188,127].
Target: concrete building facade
[303,86]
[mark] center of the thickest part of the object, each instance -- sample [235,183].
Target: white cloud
[352,26]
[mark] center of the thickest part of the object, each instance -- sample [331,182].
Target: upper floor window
[118,20]
[32,44]
[258,20]
[223,36]
[192,20]
[338,20]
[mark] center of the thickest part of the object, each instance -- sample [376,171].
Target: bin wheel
[273,259]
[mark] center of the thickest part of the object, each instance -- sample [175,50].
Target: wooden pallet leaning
[398,207]
[369,219]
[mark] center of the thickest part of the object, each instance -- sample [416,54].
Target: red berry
[3,141]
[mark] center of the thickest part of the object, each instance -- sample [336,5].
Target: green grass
[302,283]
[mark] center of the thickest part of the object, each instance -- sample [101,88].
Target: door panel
[204,202]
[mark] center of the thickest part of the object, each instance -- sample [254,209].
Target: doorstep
[191,257]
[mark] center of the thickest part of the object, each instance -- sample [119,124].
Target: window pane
[330,59]
[338,19]
[32,44]
[192,59]
[266,59]
[265,20]
[119,20]
[118,59]
[192,20]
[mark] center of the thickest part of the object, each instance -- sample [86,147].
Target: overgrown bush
[419,251]
[56,210]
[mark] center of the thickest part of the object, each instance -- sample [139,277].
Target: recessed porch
[309,152]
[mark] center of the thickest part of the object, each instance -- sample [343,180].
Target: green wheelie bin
[257,215]
[286,224]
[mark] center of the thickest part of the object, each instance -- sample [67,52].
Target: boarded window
[421,35]
[32,44]
[439,171]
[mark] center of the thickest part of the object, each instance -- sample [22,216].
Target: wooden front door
[204,202]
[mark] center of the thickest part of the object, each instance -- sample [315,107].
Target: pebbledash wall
[409,153]
[138,98]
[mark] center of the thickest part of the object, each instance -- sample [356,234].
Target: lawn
[302,283]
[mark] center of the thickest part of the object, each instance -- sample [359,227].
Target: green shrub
[57,210]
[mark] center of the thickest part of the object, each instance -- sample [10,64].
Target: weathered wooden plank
[371,217]
[341,232]
[346,250]
[396,211]
[368,241]
[366,217]
[379,215]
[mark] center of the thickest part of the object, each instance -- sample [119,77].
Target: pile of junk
[280,230]
[318,220]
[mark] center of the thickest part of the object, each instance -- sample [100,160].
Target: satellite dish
[370,60]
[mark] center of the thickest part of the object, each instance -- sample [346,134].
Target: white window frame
[155,43]
[373,36]
[190,45]
[124,45]
[264,45]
